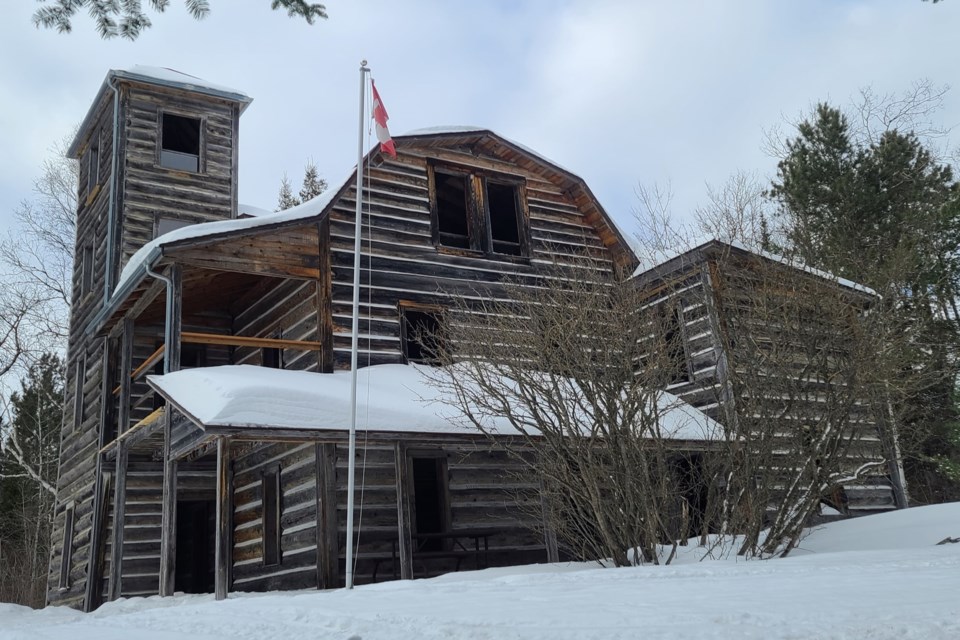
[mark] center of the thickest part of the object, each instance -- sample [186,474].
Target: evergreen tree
[886,213]
[28,472]
[313,184]
[286,199]
[128,19]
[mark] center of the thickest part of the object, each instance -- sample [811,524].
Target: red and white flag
[380,117]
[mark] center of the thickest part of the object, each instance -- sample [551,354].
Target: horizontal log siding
[150,190]
[298,526]
[79,443]
[400,261]
[286,310]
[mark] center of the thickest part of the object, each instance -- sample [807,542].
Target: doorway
[196,540]
[430,501]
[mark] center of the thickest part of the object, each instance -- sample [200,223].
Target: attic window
[453,228]
[504,211]
[180,143]
[478,210]
[422,335]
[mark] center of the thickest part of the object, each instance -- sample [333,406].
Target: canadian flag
[380,117]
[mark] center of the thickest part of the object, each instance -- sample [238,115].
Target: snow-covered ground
[877,577]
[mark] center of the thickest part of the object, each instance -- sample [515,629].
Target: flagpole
[355,338]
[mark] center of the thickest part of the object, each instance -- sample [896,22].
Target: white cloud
[621,92]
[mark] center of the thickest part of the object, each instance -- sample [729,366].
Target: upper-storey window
[165,225]
[422,336]
[478,210]
[93,164]
[180,142]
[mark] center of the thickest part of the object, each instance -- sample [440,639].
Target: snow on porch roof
[393,398]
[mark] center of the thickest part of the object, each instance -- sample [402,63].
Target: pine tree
[884,212]
[286,199]
[28,474]
[313,184]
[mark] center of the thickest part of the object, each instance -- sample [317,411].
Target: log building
[198,480]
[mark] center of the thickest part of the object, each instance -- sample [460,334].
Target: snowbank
[909,592]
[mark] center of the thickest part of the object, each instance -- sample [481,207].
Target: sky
[623,93]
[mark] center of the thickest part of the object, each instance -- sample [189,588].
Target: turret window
[180,143]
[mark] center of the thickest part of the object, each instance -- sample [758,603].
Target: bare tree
[618,460]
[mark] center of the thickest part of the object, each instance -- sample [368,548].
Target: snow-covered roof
[252,210]
[148,252]
[159,76]
[700,243]
[393,398]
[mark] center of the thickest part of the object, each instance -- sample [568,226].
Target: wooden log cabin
[228,472]
[154,494]
[727,305]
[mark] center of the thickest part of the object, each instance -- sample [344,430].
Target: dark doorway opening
[196,540]
[693,491]
[429,484]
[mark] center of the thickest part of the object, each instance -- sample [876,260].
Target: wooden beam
[128,435]
[404,538]
[222,549]
[195,337]
[146,364]
[168,517]
[325,299]
[92,591]
[119,507]
[328,552]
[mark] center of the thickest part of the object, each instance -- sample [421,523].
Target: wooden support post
[168,521]
[119,507]
[92,592]
[328,551]
[324,299]
[126,365]
[172,341]
[224,519]
[404,538]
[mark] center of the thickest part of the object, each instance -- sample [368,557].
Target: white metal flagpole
[355,339]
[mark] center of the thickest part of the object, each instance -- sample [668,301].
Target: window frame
[201,141]
[479,222]
[86,269]
[66,550]
[158,218]
[406,306]
[274,546]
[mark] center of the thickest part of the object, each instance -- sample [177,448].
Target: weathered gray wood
[172,352]
[119,505]
[224,519]
[168,532]
[404,538]
[328,551]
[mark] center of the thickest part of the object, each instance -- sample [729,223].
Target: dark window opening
[193,356]
[165,225]
[422,336]
[271,517]
[693,495]
[196,540]
[66,558]
[676,358]
[428,492]
[180,143]
[86,270]
[272,357]
[502,202]
[452,211]
[93,164]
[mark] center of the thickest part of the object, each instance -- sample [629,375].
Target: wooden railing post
[224,520]
[403,512]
